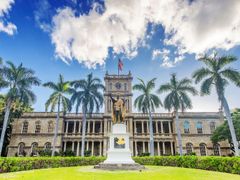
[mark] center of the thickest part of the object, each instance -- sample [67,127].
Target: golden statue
[118,109]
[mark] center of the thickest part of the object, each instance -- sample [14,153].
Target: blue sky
[156,39]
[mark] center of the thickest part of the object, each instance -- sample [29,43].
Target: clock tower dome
[120,85]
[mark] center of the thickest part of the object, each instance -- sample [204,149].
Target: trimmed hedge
[13,164]
[213,163]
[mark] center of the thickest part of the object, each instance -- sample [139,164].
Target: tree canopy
[222,132]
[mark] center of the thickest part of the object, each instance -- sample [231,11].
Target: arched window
[189,148]
[203,151]
[34,149]
[25,127]
[38,127]
[212,126]
[216,149]
[47,146]
[199,128]
[50,126]
[21,147]
[186,127]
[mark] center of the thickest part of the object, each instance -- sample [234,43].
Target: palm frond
[201,74]
[232,74]
[226,60]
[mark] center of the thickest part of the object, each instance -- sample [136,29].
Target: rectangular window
[186,130]
[38,128]
[199,130]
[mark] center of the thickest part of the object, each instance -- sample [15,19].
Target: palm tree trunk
[5,123]
[83,132]
[179,137]
[56,128]
[230,124]
[151,134]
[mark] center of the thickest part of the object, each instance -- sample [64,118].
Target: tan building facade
[35,130]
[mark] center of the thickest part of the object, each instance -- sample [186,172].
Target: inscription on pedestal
[119,143]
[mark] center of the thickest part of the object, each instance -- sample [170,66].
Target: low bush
[213,163]
[13,164]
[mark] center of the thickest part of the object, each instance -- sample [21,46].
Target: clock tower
[120,85]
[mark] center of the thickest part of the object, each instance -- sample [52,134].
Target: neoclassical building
[35,130]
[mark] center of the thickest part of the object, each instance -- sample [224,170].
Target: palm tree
[178,99]
[218,73]
[58,97]
[147,102]
[87,95]
[19,81]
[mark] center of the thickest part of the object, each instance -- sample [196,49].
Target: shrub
[45,152]
[13,164]
[87,153]
[213,163]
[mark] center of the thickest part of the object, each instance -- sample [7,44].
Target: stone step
[114,167]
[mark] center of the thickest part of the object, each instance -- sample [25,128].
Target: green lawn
[88,173]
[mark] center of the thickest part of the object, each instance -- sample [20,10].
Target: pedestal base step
[120,166]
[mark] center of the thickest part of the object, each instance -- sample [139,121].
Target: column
[164,151]
[80,124]
[88,130]
[87,146]
[101,123]
[142,127]
[148,146]
[93,127]
[92,148]
[171,143]
[104,147]
[73,146]
[162,127]
[147,127]
[67,127]
[74,127]
[169,126]
[136,152]
[78,144]
[100,148]
[131,147]
[135,127]
[105,127]
[65,146]
[156,125]
[158,149]
[143,147]
[108,127]
[131,126]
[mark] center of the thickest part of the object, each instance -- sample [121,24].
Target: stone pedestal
[119,154]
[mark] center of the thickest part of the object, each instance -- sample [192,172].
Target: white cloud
[156,53]
[7,27]
[202,25]
[42,13]
[164,54]
[192,27]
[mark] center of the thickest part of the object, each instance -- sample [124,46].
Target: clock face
[118,85]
